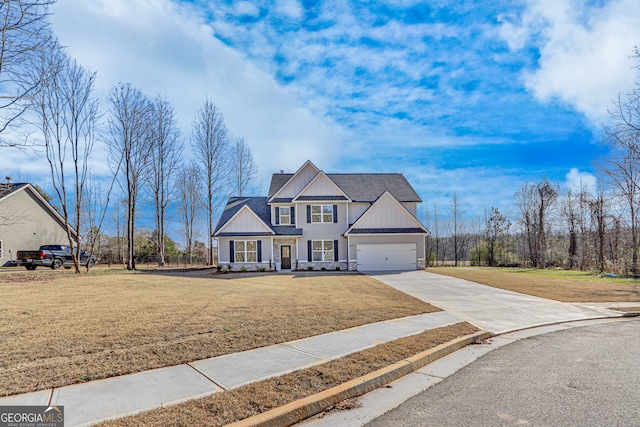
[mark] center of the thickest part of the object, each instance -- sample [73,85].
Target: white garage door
[384,257]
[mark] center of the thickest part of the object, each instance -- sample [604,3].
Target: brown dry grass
[626,309]
[58,328]
[549,284]
[234,405]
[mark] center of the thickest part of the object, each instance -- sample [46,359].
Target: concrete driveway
[492,309]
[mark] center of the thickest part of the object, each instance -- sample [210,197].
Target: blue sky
[472,97]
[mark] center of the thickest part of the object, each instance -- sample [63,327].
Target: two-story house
[364,222]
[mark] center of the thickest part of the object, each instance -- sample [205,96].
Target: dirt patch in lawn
[557,285]
[61,328]
[234,405]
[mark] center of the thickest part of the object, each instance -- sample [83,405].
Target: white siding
[356,210]
[30,224]
[245,222]
[387,214]
[411,207]
[322,186]
[297,182]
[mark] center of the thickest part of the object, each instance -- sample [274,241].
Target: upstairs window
[321,213]
[285,216]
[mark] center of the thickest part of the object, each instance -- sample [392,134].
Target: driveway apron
[492,309]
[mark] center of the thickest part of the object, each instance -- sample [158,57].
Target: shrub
[310,267]
[338,268]
[243,269]
[225,271]
[262,269]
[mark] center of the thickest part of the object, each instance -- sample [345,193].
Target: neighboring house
[27,221]
[363,222]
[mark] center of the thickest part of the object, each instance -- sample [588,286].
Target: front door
[285,257]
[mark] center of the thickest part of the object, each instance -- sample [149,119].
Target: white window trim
[288,215]
[322,214]
[245,252]
[322,251]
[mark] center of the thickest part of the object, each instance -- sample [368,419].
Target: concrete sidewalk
[117,397]
[491,309]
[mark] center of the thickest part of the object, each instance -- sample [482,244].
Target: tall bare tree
[165,158]
[24,37]
[458,227]
[129,149]
[210,147]
[535,202]
[67,113]
[243,168]
[189,186]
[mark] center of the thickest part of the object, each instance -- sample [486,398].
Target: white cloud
[576,181]
[164,47]
[291,8]
[584,50]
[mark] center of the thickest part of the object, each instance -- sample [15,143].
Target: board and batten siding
[297,182]
[322,231]
[29,224]
[246,221]
[321,187]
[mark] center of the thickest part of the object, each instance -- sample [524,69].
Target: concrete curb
[302,409]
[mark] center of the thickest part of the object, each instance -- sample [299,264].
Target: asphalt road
[587,376]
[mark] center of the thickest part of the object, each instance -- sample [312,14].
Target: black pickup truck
[52,256]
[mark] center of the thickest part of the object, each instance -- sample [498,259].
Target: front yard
[57,328]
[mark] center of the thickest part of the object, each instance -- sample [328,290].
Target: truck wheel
[91,264]
[56,264]
[30,267]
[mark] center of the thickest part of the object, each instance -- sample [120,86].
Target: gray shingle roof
[361,187]
[259,206]
[6,189]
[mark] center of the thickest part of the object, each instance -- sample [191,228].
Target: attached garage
[386,256]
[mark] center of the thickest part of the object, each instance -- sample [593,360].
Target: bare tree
[210,146]
[458,226]
[598,217]
[24,37]
[68,112]
[165,158]
[129,149]
[623,167]
[190,194]
[243,168]
[535,202]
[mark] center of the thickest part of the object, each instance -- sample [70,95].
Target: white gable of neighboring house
[245,221]
[298,181]
[321,185]
[386,212]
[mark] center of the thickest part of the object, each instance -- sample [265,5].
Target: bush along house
[312,220]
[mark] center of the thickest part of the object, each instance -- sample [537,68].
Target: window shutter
[308,214]
[259,250]
[335,250]
[293,215]
[232,251]
[335,214]
[309,254]
[277,215]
